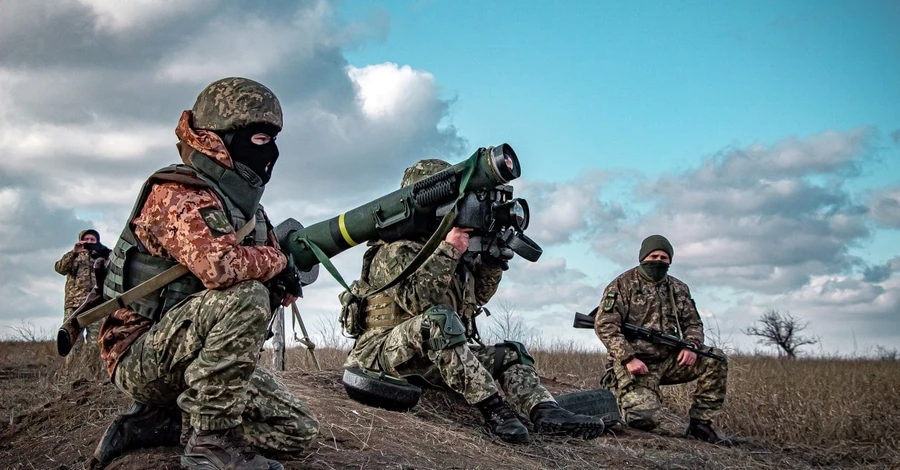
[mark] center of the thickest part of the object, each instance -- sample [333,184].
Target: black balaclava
[91,232]
[655,270]
[260,159]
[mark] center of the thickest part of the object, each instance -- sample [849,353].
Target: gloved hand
[286,283]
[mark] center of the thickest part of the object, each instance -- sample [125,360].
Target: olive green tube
[394,215]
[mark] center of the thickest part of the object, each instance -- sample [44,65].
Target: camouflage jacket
[171,225]
[440,280]
[77,267]
[632,298]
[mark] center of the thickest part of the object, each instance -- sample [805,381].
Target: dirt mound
[442,432]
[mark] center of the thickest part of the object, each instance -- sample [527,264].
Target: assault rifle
[632,332]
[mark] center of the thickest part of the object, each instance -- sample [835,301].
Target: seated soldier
[422,326]
[647,296]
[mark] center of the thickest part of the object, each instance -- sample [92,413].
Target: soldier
[647,296]
[77,266]
[422,326]
[194,344]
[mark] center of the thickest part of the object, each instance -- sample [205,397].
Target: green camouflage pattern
[520,383]
[463,369]
[638,395]
[456,368]
[234,102]
[202,355]
[423,169]
[650,304]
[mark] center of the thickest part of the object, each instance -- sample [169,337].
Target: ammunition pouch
[450,332]
[129,267]
[500,364]
[383,312]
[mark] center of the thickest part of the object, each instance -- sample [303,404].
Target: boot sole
[111,442]
[195,462]
[584,431]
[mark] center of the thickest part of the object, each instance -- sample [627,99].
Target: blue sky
[653,85]
[761,137]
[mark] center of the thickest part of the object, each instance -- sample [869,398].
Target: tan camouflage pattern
[206,142]
[117,332]
[638,395]
[79,272]
[234,102]
[170,225]
[643,302]
[423,169]
[202,356]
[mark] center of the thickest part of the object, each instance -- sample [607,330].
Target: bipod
[310,346]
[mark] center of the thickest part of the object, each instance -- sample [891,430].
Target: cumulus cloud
[91,90]
[566,212]
[766,226]
[885,207]
[764,218]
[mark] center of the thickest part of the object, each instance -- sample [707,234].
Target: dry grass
[837,413]
[842,410]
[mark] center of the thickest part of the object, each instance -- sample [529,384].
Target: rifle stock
[71,330]
[632,331]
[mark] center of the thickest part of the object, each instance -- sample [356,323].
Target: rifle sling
[156,282]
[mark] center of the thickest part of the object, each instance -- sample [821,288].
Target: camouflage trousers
[469,371]
[202,356]
[638,395]
[87,351]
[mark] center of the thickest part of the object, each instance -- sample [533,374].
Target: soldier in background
[647,296]
[422,326]
[193,346]
[77,266]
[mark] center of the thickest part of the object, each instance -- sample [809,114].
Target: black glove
[286,282]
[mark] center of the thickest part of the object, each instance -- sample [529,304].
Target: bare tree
[507,325]
[29,333]
[781,330]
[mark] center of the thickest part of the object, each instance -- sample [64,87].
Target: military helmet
[232,103]
[423,169]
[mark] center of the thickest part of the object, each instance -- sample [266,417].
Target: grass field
[829,412]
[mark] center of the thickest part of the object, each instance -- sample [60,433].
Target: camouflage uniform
[202,354]
[79,272]
[666,305]
[443,279]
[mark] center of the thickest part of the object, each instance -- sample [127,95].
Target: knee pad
[645,420]
[500,364]
[450,332]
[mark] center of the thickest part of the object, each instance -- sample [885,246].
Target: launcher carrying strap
[426,251]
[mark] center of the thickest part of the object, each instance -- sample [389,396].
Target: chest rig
[130,263]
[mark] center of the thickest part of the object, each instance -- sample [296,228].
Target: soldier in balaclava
[191,348]
[422,327]
[647,296]
[77,266]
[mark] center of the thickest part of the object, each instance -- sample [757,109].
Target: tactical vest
[130,263]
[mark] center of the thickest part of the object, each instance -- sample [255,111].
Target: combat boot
[224,449]
[141,426]
[702,429]
[502,420]
[549,418]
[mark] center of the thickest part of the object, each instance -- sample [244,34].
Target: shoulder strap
[426,251]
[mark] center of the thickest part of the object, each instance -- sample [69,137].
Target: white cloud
[123,17]
[386,91]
